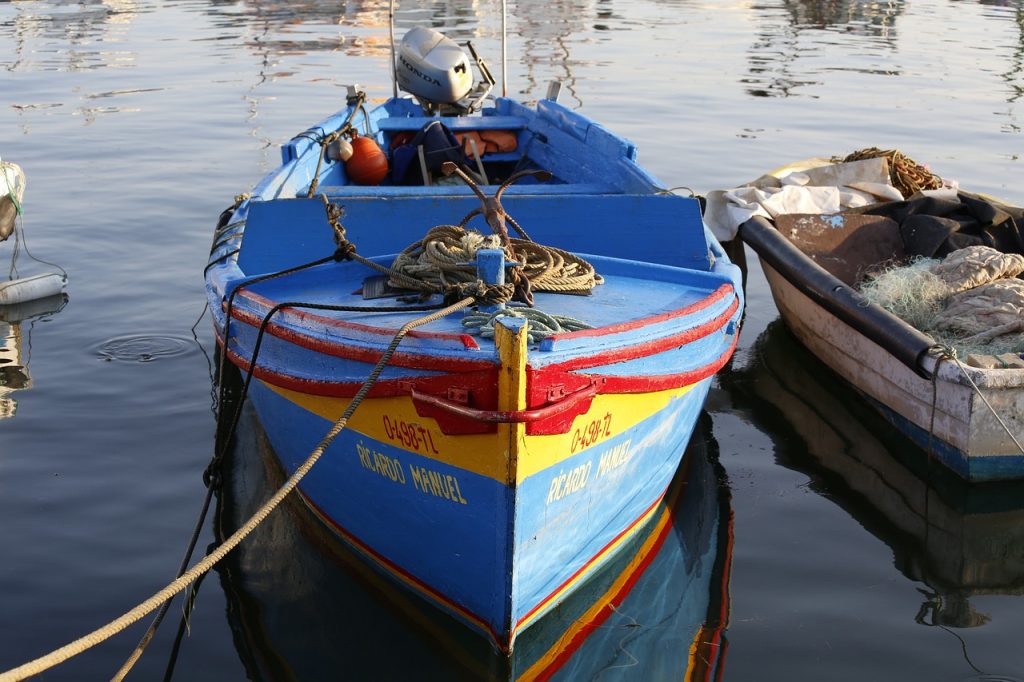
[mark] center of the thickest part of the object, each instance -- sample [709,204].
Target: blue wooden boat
[492,475]
[658,609]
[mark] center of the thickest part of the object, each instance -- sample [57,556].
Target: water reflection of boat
[547,33]
[16,323]
[86,28]
[797,29]
[302,607]
[959,539]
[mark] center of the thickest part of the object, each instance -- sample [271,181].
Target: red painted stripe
[331,389]
[386,388]
[483,384]
[465,339]
[634,352]
[594,558]
[367,355]
[648,384]
[453,364]
[705,302]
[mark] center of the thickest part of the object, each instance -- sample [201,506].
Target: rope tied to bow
[480,291]
[948,352]
[539,325]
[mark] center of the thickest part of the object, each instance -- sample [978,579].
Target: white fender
[31,288]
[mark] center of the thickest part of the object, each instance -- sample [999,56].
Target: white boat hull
[947,417]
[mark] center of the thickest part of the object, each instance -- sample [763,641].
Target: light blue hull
[493,555]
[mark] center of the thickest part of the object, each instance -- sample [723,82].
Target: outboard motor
[436,70]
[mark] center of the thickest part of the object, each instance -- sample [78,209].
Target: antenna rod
[391,33]
[504,51]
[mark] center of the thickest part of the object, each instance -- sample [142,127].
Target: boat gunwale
[945,369]
[382,388]
[631,325]
[466,340]
[365,354]
[402,387]
[627,351]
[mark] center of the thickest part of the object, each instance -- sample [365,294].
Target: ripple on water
[144,348]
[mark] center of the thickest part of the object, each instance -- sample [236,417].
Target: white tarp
[808,186]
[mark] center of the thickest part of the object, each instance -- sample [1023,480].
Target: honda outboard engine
[436,70]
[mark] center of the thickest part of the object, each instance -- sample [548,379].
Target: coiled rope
[906,175]
[539,325]
[442,258]
[90,640]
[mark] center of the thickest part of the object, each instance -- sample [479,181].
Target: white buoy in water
[31,288]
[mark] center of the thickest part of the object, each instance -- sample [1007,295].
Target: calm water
[137,122]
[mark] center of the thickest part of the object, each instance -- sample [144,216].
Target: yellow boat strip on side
[394,421]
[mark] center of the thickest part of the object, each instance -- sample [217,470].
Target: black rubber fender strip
[902,341]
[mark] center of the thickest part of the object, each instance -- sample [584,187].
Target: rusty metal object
[495,215]
[847,245]
[491,207]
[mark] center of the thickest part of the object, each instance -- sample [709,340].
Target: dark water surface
[136,122]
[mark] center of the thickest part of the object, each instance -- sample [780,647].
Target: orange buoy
[367,165]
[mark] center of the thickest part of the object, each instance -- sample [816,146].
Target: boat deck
[636,300]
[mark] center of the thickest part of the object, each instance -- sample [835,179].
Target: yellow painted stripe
[511,393]
[542,663]
[476,453]
[608,416]
[488,455]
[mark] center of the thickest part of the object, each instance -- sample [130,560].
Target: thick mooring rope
[98,636]
[442,258]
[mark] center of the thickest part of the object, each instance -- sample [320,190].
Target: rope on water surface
[98,636]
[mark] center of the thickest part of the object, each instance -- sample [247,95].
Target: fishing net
[984,320]
[911,292]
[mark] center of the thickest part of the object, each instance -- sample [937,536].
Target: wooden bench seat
[398,124]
